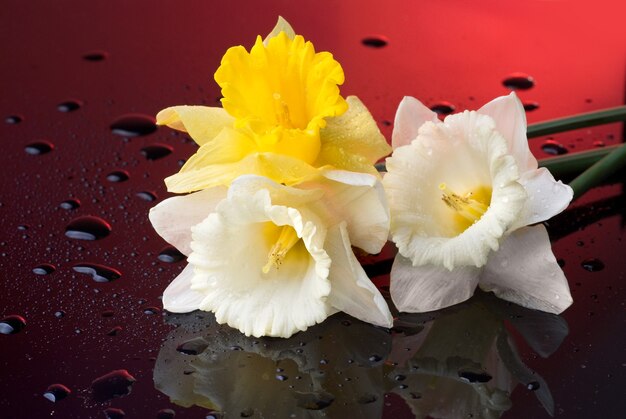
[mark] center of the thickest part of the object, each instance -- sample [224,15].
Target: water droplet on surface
[442,108]
[95,55]
[156,151]
[118,176]
[114,413]
[44,269]
[170,254]
[39,147]
[281,377]
[375,41]
[599,143]
[59,314]
[553,148]
[117,383]
[13,119]
[147,196]
[99,273]
[474,376]
[69,105]
[314,401]
[366,398]
[56,392]
[375,358]
[592,264]
[193,346]
[151,310]
[70,204]
[518,81]
[533,385]
[87,228]
[246,413]
[530,106]
[12,324]
[400,377]
[165,414]
[134,125]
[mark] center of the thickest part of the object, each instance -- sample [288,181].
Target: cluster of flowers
[284,184]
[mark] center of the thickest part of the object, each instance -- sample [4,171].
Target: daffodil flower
[283,117]
[465,195]
[271,260]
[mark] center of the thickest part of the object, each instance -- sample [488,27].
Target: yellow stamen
[470,206]
[286,240]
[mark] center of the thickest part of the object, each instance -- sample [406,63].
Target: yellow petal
[355,132]
[338,158]
[202,123]
[280,168]
[281,26]
[228,146]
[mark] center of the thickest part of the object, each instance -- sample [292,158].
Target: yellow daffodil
[463,194]
[282,117]
[270,259]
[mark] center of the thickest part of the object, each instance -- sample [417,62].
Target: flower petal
[525,272]
[281,26]
[546,197]
[354,133]
[230,248]
[359,200]
[203,123]
[410,116]
[173,218]
[510,117]
[352,291]
[178,297]
[416,289]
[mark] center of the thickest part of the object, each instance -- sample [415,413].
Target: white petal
[173,218]
[178,297]
[230,248]
[351,290]
[510,117]
[525,272]
[410,116]
[416,289]
[281,26]
[546,197]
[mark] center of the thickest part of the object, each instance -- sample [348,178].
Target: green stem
[597,173]
[583,120]
[572,164]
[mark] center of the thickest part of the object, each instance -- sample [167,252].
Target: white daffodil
[271,260]
[463,194]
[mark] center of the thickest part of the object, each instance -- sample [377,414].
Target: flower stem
[575,163]
[583,120]
[597,173]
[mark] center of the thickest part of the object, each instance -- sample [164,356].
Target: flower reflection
[462,362]
[334,369]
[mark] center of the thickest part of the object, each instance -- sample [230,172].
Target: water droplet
[530,105]
[99,273]
[87,228]
[474,376]
[114,331]
[39,147]
[118,176]
[400,377]
[314,401]
[554,148]
[70,204]
[156,151]
[518,81]
[592,264]
[170,254]
[533,385]
[13,119]
[114,413]
[193,346]
[44,269]
[12,324]
[151,310]
[95,55]
[236,348]
[117,383]
[599,143]
[69,105]
[375,41]
[281,377]
[415,395]
[56,392]
[134,125]
[165,414]
[366,398]
[375,358]
[59,314]
[246,413]
[147,196]
[442,108]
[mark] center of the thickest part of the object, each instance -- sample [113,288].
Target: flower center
[287,238]
[468,208]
